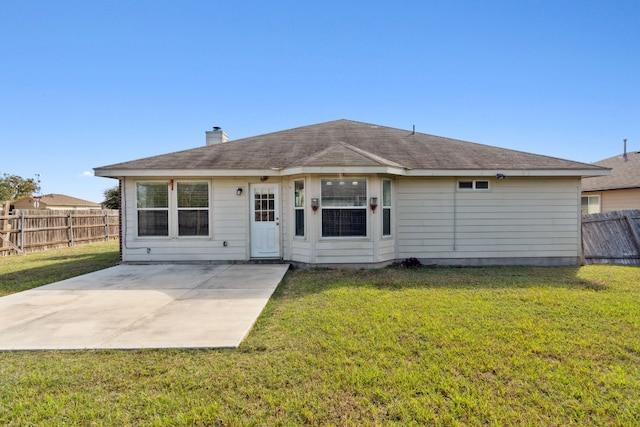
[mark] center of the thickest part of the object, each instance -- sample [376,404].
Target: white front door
[265,221]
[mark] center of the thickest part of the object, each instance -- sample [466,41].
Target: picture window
[344,207]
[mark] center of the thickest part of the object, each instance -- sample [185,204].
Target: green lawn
[437,346]
[20,272]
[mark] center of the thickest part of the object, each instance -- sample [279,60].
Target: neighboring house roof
[351,145]
[625,173]
[63,201]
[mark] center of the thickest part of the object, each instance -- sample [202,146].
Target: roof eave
[115,173]
[607,188]
[509,172]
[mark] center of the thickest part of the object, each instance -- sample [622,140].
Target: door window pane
[264,205]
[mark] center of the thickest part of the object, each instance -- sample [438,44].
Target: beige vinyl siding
[424,217]
[386,250]
[300,251]
[516,218]
[228,222]
[344,251]
[617,200]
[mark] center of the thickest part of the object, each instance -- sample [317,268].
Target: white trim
[173,210]
[302,208]
[118,173]
[259,230]
[382,207]
[364,207]
[589,197]
[474,185]
[507,173]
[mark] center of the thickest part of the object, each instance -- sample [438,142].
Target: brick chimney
[216,136]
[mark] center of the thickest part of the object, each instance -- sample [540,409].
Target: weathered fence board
[24,231]
[611,238]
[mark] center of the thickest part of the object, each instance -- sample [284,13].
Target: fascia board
[508,173]
[112,173]
[247,172]
[185,172]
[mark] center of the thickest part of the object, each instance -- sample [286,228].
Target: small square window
[590,204]
[473,185]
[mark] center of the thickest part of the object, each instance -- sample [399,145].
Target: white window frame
[179,209]
[589,197]
[474,185]
[172,209]
[299,207]
[387,207]
[364,207]
[147,209]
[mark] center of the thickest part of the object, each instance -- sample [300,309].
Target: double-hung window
[386,207]
[153,208]
[298,207]
[344,207]
[193,208]
[180,209]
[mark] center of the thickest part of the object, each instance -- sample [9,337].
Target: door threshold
[266,260]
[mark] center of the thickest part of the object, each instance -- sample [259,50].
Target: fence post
[106,226]
[22,231]
[70,219]
[4,227]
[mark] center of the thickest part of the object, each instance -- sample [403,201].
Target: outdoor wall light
[239,191]
[373,202]
[501,176]
[315,203]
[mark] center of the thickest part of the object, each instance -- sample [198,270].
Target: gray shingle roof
[63,200]
[624,174]
[345,143]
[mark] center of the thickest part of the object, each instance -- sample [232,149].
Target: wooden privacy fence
[611,238]
[23,231]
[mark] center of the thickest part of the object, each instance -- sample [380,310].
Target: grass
[21,272]
[439,346]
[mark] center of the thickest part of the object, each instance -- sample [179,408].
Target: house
[55,202]
[350,193]
[619,191]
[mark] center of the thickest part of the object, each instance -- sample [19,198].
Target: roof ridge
[617,156]
[312,156]
[371,156]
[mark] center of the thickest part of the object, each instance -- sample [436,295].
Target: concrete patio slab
[141,306]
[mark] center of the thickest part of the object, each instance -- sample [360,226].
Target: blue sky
[90,83]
